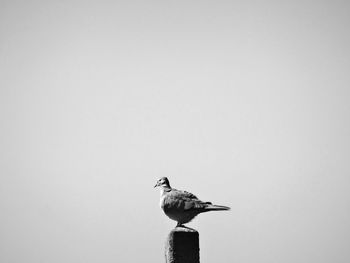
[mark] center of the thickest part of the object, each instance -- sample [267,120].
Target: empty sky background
[243,103]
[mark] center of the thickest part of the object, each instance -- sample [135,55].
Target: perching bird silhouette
[182,206]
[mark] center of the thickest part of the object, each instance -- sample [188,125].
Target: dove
[182,206]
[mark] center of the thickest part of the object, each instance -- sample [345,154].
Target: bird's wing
[177,199]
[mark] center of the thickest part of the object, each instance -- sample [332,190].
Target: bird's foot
[183,226]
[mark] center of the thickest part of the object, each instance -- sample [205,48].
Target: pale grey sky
[243,103]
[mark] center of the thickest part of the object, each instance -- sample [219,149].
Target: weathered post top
[182,246]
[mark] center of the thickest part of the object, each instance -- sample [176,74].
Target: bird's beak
[155,185]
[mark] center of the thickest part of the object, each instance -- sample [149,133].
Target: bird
[182,206]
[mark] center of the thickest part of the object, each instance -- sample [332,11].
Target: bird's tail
[211,207]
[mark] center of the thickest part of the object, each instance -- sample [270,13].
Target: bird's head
[164,182]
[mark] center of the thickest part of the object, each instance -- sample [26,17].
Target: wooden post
[182,246]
